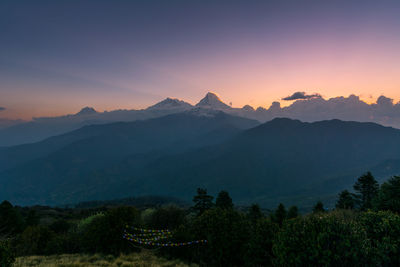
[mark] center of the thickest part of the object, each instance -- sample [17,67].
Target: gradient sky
[58,56]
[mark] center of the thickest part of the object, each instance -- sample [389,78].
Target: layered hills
[282,160]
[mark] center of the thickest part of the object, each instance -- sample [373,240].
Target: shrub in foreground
[35,240]
[259,248]
[6,255]
[103,234]
[383,237]
[227,232]
[320,240]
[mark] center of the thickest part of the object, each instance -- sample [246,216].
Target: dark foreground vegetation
[363,230]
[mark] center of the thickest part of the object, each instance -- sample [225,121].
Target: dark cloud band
[2,108]
[301,95]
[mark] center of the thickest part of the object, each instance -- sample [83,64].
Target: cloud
[351,108]
[301,95]
[384,101]
[2,108]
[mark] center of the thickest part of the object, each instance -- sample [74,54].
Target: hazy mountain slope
[280,158]
[5,123]
[41,128]
[81,153]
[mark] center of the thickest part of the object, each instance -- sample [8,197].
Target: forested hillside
[362,230]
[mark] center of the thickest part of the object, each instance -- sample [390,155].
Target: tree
[319,207]
[202,201]
[60,226]
[167,217]
[103,234]
[259,248]
[367,188]
[293,212]
[345,200]
[227,234]
[11,221]
[255,213]
[280,214]
[224,201]
[32,218]
[389,195]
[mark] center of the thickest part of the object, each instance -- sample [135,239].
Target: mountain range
[282,160]
[384,112]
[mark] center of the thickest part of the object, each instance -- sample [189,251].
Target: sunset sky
[58,56]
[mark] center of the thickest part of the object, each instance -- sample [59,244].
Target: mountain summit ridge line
[384,112]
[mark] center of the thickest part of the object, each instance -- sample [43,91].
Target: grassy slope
[144,259]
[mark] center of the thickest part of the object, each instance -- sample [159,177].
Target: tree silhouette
[319,207]
[345,201]
[389,195]
[202,201]
[255,213]
[293,212]
[224,201]
[11,221]
[280,214]
[367,188]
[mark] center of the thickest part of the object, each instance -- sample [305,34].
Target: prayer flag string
[158,238]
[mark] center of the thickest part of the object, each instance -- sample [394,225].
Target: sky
[59,56]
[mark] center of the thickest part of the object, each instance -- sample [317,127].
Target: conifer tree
[224,201]
[293,212]
[280,214]
[202,201]
[255,213]
[389,195]
[367,188]
[319,207]
[345,201]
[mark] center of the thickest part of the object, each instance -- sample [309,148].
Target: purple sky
[58,56]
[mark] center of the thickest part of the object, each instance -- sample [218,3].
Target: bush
[60,226]
[259,249]
[320,240]
[35,240]
[169,217]
[11,221]
[227,233]
[383,233]
[6,255]
[103,234]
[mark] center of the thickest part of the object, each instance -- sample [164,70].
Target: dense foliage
[6,255]
[351,235]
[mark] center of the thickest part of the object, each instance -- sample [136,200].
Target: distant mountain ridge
[384,112]
[42,128]
[171,103]
[277,161]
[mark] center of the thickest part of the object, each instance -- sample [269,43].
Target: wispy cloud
[301,95]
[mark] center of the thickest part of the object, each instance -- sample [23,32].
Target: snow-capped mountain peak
[171,103]
[212,101]
[87,111]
